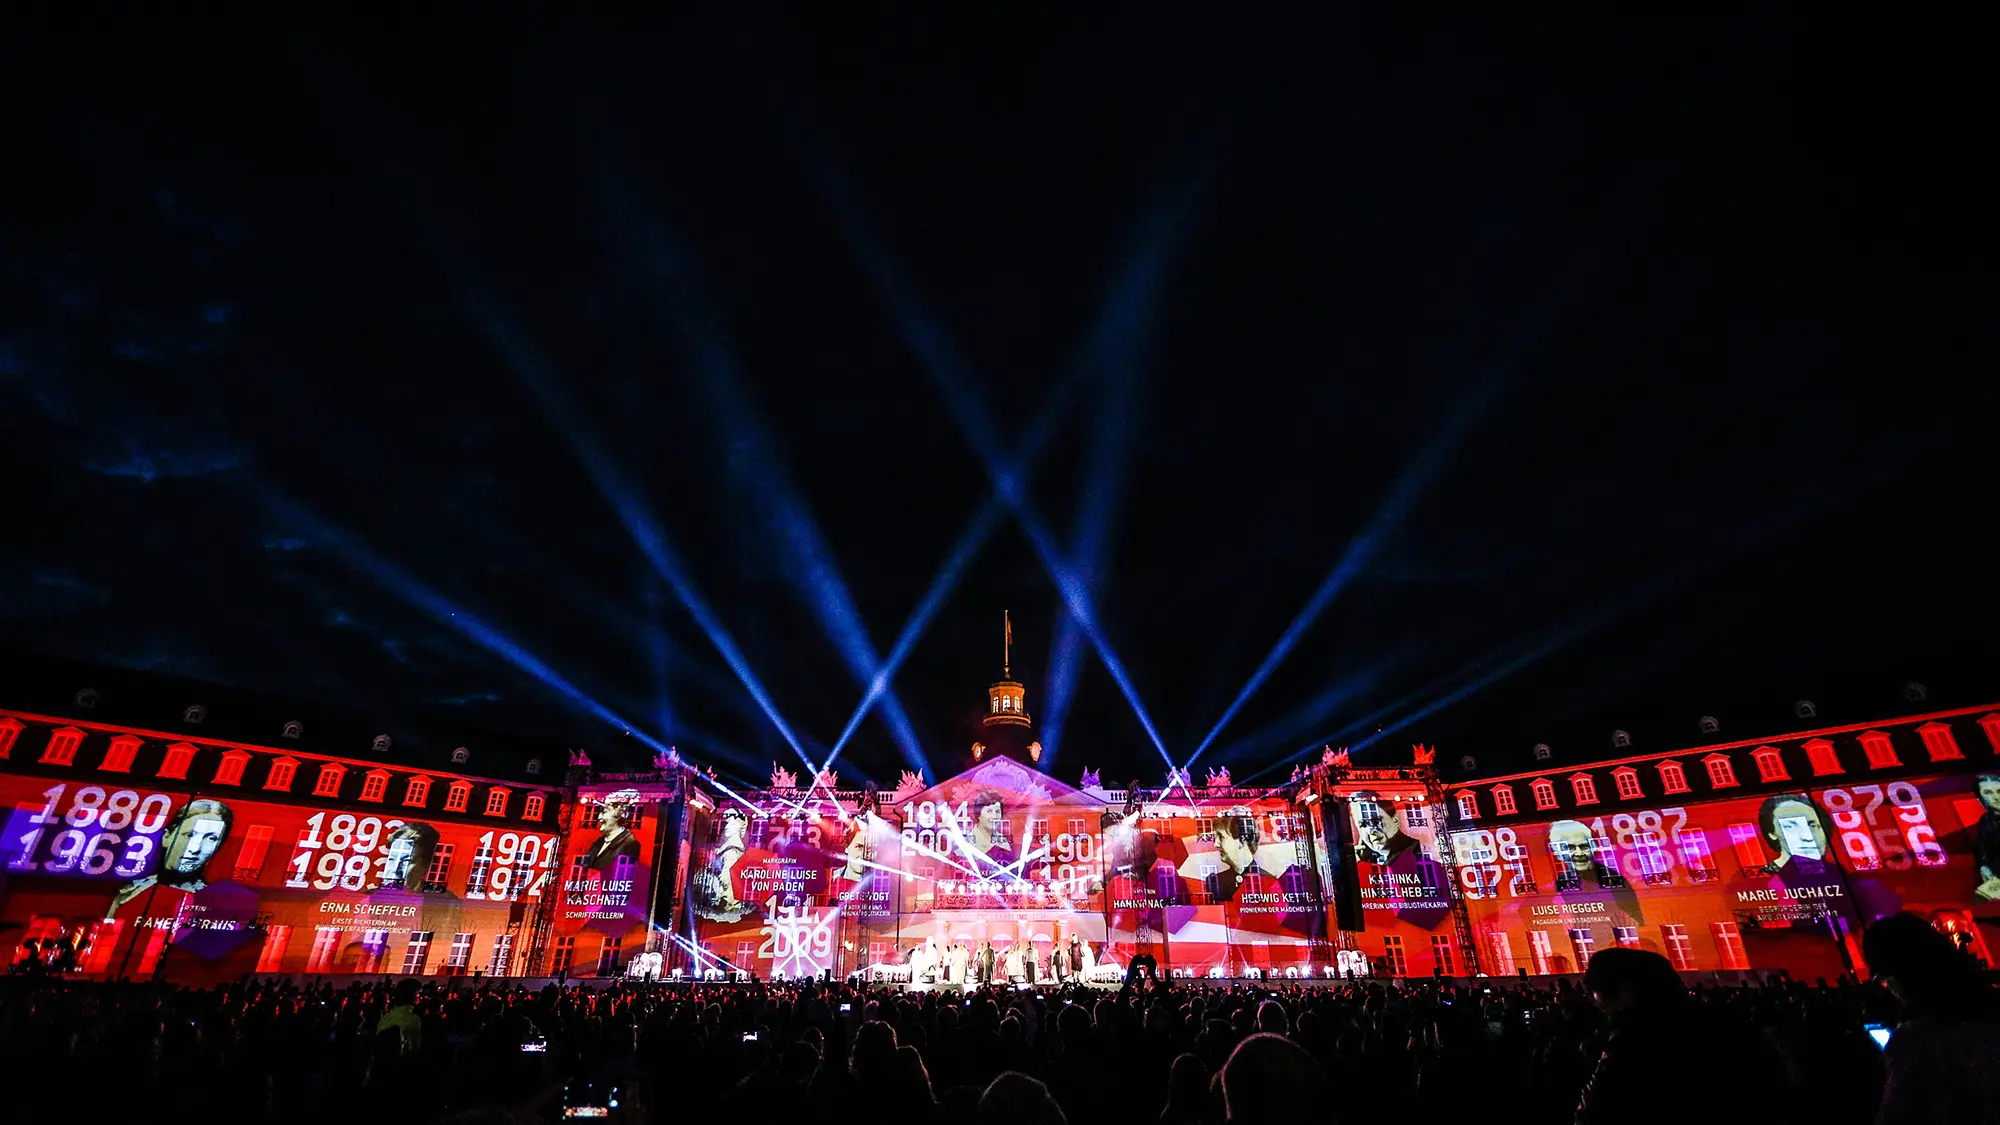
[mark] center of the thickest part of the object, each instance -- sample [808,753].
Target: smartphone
[535,1047]
[749,1037]
[1879,1032]
[847,1007]
[588,1100]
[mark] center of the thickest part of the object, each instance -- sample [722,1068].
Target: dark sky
[1619,373]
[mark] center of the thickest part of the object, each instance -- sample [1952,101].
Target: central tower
[1006,728]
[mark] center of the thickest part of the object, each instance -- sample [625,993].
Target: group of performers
[959,964]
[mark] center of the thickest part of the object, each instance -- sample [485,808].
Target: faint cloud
[463,700]
[136,463]
[47,594]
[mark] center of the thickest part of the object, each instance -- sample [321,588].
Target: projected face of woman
[396,864]
[200,839]
[1800,832]
[1989,792]
[610,818]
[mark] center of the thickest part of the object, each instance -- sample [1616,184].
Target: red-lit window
[1822,756]
[282,772]
[272,957]
[418,793]
[250,859]
[1545,793]
[375,785]
[1585,788]
[1991,725]
[1939,742]
[1392,953]
[229,771]
[1627,780]
[1680,948]
[1627,937]
[482,863]
[61,750]
[1721,773]
[496,802]
[326,942]
[1750,853]
[178,758]
[1468,806]
[460,956]
[533,807]
[1503,800]
[1541,958]
[1770,764]
[607,956]
[1696,857]
[458,796]
[328,782]
[1442,953]
[439,871]
[1583,943]
[1503,953]
[503,956]
[124,748]
[565,955]
[1673,779]
[10,732]
[1881,754]
[1729,945]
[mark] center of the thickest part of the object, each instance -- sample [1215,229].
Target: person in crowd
[1651,1012]
[1188,1101]
[1943,1058]
[1270,1078]
[1014,1098]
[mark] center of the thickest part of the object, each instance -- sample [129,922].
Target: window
[118,759]
[280,777]
[1750,853]
[1503,954]
[460,955]
[1881,754]
[272,957]
[1585,788]
[496,802]
[579,868]
[440,869]
[1695,855]
[1604,857]
[1441,953]
[1627,780]
[1503,800]
[1824,758]
[1627,937]
[996,705]
[1392,952]
[374,950]
[607,956]
[1770,764]
[1545,793]
[482,862]
[1582,943]
[565,955]
[1938,742]
[1990,723]
[375,785]
[456,797]
[746,955]
[179,757]
[229,771]
[417,793]
[503,956]
[533,806]
[10,732]
[326,942]
[328,783]
[1680,950]
[1541,959]
[250,859]
[1729,945]
[61,750]
[1468,806]
[1673,779]
[416,953]
[1654,870]
[1721,774]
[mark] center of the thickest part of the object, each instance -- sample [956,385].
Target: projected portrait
[190,841]
[714,893]
[989,837]
[406,858]
[1379,832]
[1573,848]
[1236,837]
[1986,839]
[1794,832]
[616,814]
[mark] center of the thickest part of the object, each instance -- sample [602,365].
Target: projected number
[507,859]
[1871,839]
[795,942]
[79,848]
[364,836]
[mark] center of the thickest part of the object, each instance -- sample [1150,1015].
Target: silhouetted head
[1271,1078]
[1627,980]
[1920,965]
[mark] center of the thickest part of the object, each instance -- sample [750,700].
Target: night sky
[1595,376]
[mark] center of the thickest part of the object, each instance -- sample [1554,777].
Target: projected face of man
[1570,844]
[200,838]
[1989,792]
[1800,832]
[1378,824]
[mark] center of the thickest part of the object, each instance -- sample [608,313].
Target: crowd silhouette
[1629,1043]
